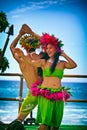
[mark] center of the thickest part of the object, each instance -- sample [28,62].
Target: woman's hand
[63,53]
[70,62]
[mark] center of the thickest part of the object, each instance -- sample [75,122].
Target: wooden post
[10,32]
[20,92]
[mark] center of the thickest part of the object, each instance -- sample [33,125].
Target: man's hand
[19,52]
[27,29]
[22,31]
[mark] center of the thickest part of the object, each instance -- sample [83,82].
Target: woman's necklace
[50,60]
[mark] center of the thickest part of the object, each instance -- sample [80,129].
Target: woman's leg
[43,127]
[49,127]
[54,128]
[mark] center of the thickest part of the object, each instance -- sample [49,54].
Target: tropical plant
[3,21]
[4,64]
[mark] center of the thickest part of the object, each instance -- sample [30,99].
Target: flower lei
[46,39]
[62,94]
[28,42]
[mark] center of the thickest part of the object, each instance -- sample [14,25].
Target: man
[29,72]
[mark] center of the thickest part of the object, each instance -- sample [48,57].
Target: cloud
[33,6]
[37,5]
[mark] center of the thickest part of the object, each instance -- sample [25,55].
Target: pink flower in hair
[46,39]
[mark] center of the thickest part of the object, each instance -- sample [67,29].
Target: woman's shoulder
[61,64]
[61,61]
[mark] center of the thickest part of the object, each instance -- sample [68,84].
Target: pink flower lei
[62,94]
[46,39]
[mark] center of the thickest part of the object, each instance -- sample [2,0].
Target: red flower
[46,39]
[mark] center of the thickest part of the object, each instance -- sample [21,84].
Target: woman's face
[50,50]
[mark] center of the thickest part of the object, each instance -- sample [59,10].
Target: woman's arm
[70,64]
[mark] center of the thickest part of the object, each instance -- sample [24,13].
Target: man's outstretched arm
[15,41]
[28,30]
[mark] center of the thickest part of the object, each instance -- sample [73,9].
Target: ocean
[74,113]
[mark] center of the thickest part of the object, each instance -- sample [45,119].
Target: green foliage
[4,64]
[3,21]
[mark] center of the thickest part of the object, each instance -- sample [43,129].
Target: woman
[51,94]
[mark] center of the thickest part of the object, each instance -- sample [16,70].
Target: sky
[66,19]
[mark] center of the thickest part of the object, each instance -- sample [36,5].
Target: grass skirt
[49,112]
[50,104]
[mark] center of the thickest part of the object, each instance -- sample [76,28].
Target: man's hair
[31,50]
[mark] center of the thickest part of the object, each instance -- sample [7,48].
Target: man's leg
[27,106]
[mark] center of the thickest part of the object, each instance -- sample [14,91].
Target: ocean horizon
[75,113]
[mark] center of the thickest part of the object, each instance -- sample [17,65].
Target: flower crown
[46,39]
[28,42]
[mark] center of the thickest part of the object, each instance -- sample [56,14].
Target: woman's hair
[46,57]
[31,50]
[40,72]
[56,59]
[43,56]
